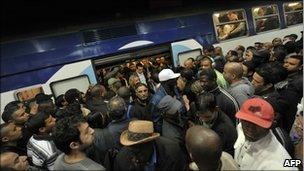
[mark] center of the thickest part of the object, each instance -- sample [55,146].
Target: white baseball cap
[167,74]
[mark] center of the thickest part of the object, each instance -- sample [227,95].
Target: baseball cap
[167,74]
[111,81]
[257,111]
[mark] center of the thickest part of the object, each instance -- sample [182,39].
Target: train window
[183,56]
[230,24]
[81,83]
[266,18]
[28,93]
[293,13]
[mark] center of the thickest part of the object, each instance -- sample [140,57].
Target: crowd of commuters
[241,111]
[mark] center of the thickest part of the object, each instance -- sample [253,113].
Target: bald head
[204,146]
[116,107]
[233,71]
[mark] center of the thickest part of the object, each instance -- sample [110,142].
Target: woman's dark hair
[66,131]
[72,95]
[265,71]
[9,110]
[260,57]
[96,120]
[188,74]
[59,100]
[73,109]
[280,53]
[209,73]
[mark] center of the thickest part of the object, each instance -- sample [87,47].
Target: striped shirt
[43,152]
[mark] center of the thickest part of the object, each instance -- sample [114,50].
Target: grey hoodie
[241,90]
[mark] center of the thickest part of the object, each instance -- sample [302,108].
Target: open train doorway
[122,66]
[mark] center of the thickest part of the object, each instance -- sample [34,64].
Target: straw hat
[139,131]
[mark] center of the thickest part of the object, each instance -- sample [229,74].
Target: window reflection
[293,13]
[230,24]
[266,18]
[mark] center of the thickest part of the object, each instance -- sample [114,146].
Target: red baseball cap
[257,111]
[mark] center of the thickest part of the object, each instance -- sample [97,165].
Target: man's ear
[4,139]
[74,145]
[42,129]
[233,76]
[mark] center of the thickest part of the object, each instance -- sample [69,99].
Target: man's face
[162,59]
[142,93]
[252,131]
[50,123]
[14,161]
[181,84]
[232,17]
[145,62]
[188,64]
[206,84]
[20,116]
[13,132]
[140,70]
[228,75]
[86,135]
[206,64]
[248,55]
[257,82]
[292,64]
[132,67]
[206,117]
[277,41]
[218,51]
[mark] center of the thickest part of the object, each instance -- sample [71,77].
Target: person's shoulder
[91,165]
[228,163]
[167,145]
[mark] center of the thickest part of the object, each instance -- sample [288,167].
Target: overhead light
[293,4]
[256,10]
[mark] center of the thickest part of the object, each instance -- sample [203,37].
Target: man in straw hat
[146,150]
[256,147]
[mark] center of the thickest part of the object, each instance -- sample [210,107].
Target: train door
[123,65]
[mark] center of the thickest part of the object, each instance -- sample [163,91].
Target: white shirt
[142,78]
[264,154]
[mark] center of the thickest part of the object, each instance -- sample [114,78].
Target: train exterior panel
[40,61]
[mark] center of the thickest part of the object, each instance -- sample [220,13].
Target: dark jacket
[223,126]
[168,156]
[156,98]
[106,139]
[173,131]
[97,105]
[292,94]
[141,111]
[226,103]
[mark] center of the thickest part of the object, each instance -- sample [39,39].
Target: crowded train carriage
[217,89]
